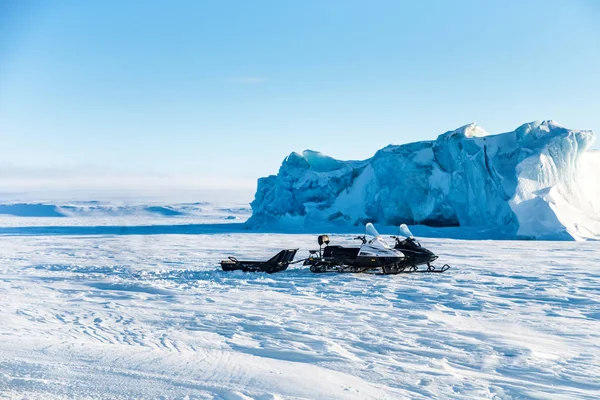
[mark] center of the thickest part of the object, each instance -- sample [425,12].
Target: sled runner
[279,262]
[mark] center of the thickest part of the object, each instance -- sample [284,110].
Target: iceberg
[539,181]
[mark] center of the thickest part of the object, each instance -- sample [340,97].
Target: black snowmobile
[373,255]
[414,253]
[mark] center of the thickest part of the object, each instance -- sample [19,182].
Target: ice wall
[539,181]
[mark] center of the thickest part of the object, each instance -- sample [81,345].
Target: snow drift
[535,182]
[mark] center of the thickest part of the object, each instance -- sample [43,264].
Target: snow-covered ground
[111,213]
[152,316]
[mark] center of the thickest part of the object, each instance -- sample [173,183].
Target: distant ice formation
[537,182]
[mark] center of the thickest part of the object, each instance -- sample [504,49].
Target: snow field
[152,316]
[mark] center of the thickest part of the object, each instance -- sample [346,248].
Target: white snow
[152,316]
[115,213]
[539,181]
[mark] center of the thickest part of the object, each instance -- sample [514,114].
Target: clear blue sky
[216,93]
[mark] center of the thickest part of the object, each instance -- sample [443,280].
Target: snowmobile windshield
[374,236]
[404,231]
[371,231]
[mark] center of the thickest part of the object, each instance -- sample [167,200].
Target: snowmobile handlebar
[362,238]
[402,238]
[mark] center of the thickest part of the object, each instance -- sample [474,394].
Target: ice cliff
[539,181]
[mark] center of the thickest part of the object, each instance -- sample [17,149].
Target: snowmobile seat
[279,262]
[341,251]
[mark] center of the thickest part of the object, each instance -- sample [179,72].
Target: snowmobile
[373,255]
[414,253]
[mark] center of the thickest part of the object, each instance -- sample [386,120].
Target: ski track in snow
[152,316]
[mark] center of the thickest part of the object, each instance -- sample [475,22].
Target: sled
[279,262]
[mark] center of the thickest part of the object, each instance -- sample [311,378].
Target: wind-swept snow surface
[137,316]
[104,213]
[539,181]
